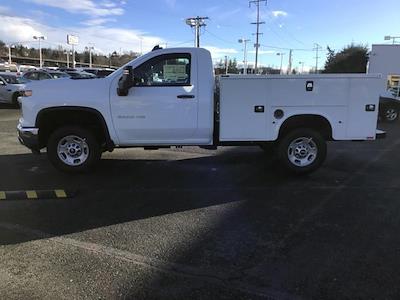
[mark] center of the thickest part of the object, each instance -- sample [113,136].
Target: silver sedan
[10,87]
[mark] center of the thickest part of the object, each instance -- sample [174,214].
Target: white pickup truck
[169,97]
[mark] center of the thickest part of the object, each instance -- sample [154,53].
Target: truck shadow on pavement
[126,190]
[270,233]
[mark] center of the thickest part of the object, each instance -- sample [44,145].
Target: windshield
[12,79]
[59,75]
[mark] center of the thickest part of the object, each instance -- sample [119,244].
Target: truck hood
[67,91]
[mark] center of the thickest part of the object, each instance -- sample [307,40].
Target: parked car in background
[100,73]
[25,68]
[11,86]
[389,107]
[80,75]
[44,75]
[6,67]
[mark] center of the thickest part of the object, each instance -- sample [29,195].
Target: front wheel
[302,150]
[73,149]
[14,100]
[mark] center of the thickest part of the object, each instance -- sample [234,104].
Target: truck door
[161,107]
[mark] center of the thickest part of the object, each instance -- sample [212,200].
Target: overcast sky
[124,25]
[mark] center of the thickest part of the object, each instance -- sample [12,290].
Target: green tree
[232,66]
[351,59]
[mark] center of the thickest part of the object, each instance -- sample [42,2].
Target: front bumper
[29,137]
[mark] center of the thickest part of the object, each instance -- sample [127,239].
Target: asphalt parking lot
[190,223]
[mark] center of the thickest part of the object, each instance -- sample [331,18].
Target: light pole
[68,53]
[302,66]
[388,38]
[244,41]
[141,45]
[9,53]
[281,54]
[90,48]
[39,38]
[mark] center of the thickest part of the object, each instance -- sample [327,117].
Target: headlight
[26,93]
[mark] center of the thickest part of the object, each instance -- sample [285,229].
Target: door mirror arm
[126,81]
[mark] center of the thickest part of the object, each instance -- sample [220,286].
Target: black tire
[315,160]
[15,102]
[390,114]
[91,145]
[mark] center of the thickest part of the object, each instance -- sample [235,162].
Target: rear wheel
[73,149]
[302,150]
[390,114]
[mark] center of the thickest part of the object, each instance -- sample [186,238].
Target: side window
[164,70]
[32,76]
[43,76]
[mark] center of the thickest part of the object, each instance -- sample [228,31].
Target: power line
[218,37]
[283,48]
[257,23]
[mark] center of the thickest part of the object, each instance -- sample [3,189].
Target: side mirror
[2,82]
[126,82]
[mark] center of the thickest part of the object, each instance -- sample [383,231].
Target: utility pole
[289,70]
[39,38]
[281,54]
[316,49]
[244,41]
[258,33]
[197,23]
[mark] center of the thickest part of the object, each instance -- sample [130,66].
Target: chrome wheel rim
[73,150]
[302,151]
[391,114]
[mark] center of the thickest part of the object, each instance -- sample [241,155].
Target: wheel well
[316,122]
[14,96]
[48,120]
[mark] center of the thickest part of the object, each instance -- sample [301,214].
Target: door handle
[185,96]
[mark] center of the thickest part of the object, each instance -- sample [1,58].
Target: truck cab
[168,101]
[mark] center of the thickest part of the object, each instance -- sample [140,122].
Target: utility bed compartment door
[243,110]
